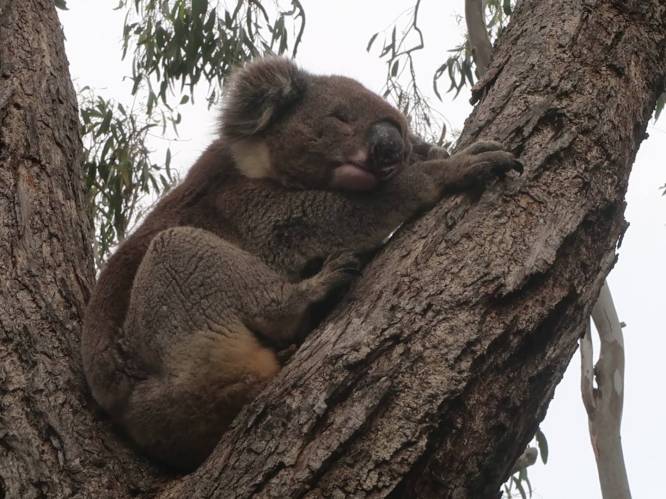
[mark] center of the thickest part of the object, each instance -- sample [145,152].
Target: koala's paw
[483,146]
[487,160]
[339,269]
[344,263]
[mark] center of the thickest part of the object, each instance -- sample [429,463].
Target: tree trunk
[51,442]
[431,377]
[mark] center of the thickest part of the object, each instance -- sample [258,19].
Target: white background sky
[334,42]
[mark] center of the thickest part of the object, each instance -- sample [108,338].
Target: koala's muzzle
[386,147]
[384,158]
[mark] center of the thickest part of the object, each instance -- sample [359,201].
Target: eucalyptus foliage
[174,44]
[118,170]
[402,40]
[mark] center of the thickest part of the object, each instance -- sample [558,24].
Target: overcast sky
[334,42]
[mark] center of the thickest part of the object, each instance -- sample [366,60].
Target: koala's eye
[341,115]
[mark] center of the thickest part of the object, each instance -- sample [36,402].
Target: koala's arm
[304,226]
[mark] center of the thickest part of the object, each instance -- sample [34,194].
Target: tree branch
[587,370]
[604,404]
[478,35]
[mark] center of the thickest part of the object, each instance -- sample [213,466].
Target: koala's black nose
[386,146]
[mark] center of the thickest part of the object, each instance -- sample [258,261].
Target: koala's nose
[385,143]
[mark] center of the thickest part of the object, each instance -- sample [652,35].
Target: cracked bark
[433,374]
[51,442]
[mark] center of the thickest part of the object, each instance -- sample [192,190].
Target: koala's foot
[337,271]
[286,315]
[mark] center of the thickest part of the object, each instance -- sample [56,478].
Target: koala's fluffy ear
[257,93]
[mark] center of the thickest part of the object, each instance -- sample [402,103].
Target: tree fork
[433,374]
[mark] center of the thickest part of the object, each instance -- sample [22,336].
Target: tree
[432,375]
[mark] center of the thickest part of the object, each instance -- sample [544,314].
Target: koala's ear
[257,93]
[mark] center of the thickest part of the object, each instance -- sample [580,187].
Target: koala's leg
[199,309]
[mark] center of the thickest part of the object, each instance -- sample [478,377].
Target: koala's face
[311,131]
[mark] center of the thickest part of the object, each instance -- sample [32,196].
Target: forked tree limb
[604,403]
[430,379]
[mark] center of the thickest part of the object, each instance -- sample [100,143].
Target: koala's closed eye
[342,116]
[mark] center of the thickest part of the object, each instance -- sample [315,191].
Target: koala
[309,172]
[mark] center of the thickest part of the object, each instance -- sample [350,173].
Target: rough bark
[51,442]
[433,374]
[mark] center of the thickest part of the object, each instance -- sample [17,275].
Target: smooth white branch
[604,402]
[478,35]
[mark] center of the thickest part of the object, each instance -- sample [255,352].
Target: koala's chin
[353,177]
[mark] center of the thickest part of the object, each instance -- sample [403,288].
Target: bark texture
[51,442]
[431,377]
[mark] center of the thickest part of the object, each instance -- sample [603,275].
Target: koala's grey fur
[183,325]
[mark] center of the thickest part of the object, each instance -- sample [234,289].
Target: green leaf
[506,7]
[61,4]
[370,42]
[104,127]
[520,488]
[467,71]
[543,445]
[199,8]
[167,160]
[394,69]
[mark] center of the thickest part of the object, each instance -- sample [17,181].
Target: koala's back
[110,368]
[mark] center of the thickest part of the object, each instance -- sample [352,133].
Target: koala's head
[311,131]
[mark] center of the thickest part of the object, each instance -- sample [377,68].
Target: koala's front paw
[486,160]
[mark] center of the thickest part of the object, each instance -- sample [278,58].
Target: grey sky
[334,42]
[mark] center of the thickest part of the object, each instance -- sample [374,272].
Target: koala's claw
[343,262]
[503,167]
[483,146]
[338,270]
[497,163]
[494,152]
